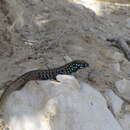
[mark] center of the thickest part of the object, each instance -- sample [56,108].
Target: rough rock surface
[49,33]
[123,86]
[114,102]
[59,105]
[125,121]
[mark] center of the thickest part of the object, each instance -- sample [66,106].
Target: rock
[125,122]
[114,102]
[79,5]
[128,23]
[126,107]
[123,86]
[51,105]
[118,57]
[102,37]
[67,58]
[116,67]
[115,56]
[3,125]
[105,52]
[100,64]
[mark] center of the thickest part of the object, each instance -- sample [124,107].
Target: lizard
[39,74]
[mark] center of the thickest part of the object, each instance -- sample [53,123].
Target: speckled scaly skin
[49,74]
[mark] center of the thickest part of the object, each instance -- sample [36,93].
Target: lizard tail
[15,85]
[4,96]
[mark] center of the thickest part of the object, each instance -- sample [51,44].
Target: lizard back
[38,74]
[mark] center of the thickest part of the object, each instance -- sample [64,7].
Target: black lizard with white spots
[49,74]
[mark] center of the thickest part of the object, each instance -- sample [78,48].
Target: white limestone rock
[125,122]
[128,22]
[114,102]
[123,86]
[63,105]
[126,107]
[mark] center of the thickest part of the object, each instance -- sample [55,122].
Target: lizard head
[78,64]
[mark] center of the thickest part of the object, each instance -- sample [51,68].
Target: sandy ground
[45,34]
